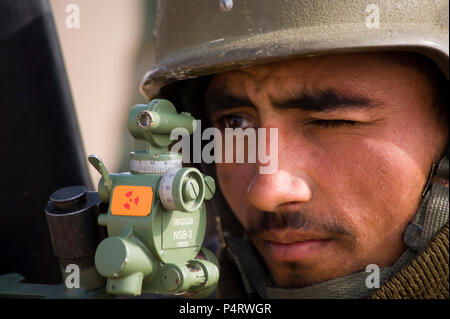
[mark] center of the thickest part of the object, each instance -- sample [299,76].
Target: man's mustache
[298,220]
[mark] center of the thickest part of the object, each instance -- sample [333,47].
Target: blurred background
[51,97]
[105,60]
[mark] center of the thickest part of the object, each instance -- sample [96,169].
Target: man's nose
[289,183]
[268,192]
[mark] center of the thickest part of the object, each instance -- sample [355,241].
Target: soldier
[358,204]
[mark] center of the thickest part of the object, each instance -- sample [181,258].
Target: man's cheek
[378,181]
[359,180]
[396,177]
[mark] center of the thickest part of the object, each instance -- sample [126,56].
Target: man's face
[357,135]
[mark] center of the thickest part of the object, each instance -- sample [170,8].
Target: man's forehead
[259,79]
[261,73]
[314,71]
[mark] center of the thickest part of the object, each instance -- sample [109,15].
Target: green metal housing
[160,251]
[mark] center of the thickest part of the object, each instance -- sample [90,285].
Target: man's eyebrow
[324,100]
[313,100]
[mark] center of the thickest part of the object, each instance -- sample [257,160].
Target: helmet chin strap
[433,210]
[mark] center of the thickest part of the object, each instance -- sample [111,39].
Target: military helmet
[198,37]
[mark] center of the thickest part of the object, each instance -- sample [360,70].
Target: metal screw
[210,187]
[226,5]
[191,189]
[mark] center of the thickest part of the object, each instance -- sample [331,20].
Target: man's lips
[294,248]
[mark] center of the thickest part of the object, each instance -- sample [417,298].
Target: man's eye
[233,121]
[333,123]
